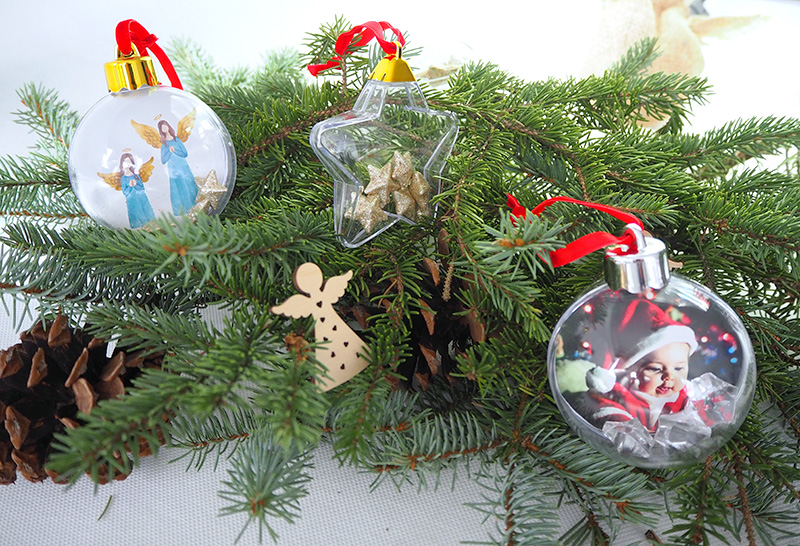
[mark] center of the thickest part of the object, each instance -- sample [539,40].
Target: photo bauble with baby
[653,379]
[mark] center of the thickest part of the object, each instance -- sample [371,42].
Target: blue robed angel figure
[182,186]
[131,185]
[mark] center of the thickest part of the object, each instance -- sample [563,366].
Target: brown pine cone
[46,381]
[442,329]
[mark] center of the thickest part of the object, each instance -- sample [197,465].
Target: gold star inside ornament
[402,170]
[369,212]
[209,193]
[381,183]
[397,183]
[404,203]
[420,190]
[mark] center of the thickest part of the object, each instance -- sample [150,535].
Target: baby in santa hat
[648,376]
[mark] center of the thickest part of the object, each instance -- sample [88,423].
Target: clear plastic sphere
[654,380]
[151,152]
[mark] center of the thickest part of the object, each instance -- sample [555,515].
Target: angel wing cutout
[297,306]
[112,179]
[185,125]
[334,287]
[146,170]
[147,133]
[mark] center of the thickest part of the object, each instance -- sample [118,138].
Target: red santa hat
[642,327]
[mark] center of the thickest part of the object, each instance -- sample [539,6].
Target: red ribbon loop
[359,36]
[588,243]
[130,32]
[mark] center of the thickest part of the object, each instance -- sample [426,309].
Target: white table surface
[63,45]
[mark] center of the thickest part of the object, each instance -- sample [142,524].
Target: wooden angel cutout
[182,185]
[131,185]
[340,347]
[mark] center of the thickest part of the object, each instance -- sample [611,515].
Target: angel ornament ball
[193,168]
[340,349]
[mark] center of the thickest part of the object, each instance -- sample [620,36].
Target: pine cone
[46,381]
[439,333]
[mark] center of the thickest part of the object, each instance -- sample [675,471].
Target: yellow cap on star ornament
[393,68]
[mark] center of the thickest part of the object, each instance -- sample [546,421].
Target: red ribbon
[130,32]
[588,243]
[364,33]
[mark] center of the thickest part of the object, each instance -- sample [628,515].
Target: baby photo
[654,377]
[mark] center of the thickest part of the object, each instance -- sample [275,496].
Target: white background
[63,45]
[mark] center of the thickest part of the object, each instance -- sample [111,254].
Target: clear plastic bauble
[657,379]
[151,152]
[386,156]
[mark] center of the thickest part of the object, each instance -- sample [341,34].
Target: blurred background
[745,48]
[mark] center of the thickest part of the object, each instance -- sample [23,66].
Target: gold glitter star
[402,169]
[420,190]
[404,203]
[381,184]
[212,190]
[369,212]
[209,193]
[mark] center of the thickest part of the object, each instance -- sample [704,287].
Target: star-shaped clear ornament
[386,157]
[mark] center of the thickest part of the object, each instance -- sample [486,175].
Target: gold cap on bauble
[130,72]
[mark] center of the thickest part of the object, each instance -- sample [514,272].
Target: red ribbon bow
[588,243]
[130,32]
[365,33]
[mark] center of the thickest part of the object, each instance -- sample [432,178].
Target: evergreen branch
[220,432]
[745,502]
[399,278]
[573,462]
[739,140]
[116,426]
[356,423]
[301,126]
[522,501]
[637,59]
[509,297]
[441,441]
[266,480]
[49,117]
[321,45]
[93,263]
[205,372]
[499,363]
[38,169]
[294,403]
[792,418]
[399,412]
[589,529]
[196,67]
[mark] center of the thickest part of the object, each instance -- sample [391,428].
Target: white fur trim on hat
[600,379]
[673,333]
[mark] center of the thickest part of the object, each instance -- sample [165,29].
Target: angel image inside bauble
[182,185]
[132,187]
